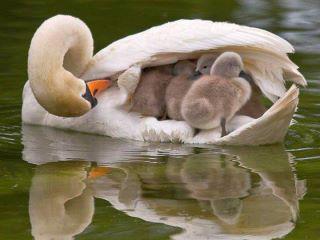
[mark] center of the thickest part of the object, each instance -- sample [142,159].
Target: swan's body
[264,55]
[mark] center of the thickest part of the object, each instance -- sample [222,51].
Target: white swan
[60,58]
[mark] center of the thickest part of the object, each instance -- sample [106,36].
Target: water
[56,184]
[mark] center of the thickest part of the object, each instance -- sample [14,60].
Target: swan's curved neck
[60,50]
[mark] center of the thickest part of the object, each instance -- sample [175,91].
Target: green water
[59,185]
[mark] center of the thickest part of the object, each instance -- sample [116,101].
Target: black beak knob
[88,96]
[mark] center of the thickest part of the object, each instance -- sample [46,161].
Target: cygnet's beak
[246,76]
[196,74]
[94,87]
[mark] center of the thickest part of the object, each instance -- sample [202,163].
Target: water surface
[60,185]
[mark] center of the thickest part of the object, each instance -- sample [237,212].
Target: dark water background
[153,191]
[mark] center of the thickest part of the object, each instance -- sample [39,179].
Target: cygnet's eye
[205,67]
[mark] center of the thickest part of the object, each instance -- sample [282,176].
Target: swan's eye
[205,67]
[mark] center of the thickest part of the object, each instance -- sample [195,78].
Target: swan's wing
[262,130]
[264,53]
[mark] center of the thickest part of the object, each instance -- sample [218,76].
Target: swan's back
[264,53]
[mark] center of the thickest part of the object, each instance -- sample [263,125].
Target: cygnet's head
[228,64]
[205,62]
[184,67]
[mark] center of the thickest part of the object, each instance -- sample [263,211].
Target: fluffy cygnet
[254,107]
[178,87]
[149,95]
[214,99]
[205,63]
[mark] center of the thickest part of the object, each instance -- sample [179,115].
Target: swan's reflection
[44,145]
[60,204]
[249,193]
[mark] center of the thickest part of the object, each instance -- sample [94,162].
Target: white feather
[264,53]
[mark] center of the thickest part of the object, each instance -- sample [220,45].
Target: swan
[61,60]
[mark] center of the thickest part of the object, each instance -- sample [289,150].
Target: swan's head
[68,96]
[59,53]
[205,62]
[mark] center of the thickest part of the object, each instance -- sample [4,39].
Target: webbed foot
[196,132]
[223,127]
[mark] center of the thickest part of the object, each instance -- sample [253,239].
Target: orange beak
[97,86]
[96,172]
